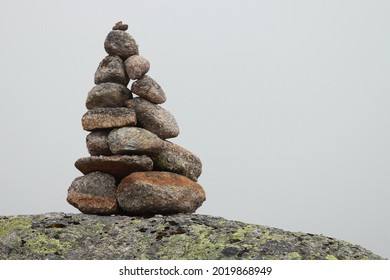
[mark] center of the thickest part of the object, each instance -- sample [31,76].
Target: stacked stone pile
[132,168]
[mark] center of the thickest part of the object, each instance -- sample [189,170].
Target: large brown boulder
[153,192]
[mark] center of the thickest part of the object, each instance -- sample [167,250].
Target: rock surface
[94,193]
[119,42]
[111,69]
[97,143]
[136,66]
[159,193]
[181,236]
[176,159]
[118,166]
[103,118]
[149,89]
[154,118]
[107,95]
[134,140]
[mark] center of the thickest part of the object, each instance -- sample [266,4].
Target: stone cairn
[132,169]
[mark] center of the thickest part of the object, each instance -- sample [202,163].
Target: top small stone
[120,26]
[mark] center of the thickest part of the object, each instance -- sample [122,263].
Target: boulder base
[94,193]
[151,192]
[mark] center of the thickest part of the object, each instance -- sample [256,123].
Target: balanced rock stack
[132,168]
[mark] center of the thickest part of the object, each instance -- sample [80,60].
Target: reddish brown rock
[176,159]
[136,66]
[111,69]
[118,166]
[108,95]
[134,140]
[120,26]
[120,43]
[149,89]
[102,118]
[154,118]
[152,192]
[94,193]
[97,143]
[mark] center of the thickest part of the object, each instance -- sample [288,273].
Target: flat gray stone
[136,66]
[176,159]
[153,192]
[103,118]
[94,193]
[134,140]
[118,166]
[97,143]
[149,89]
[154,118]
[108,95]
[111,70]
[120,43]
[73,236]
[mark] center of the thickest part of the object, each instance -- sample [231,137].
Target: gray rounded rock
[108,95]
[136,66]
[153,192]
[97,143]
[120,43]
[176,159]
[103,118]
[154,118]
[111,69]
[149,89]
[118,166]
[134,140]
[94,193]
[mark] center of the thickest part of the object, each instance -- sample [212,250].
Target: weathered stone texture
[108,95]
[134,140]
[120,43]
[118,166]
[174,237]
[149,89]
[154,118]
[159,193]
[103,118]
[97,143]
[111,69]
[136,66]
[176,159]
[94,193]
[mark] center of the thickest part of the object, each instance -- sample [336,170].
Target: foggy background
[285,102]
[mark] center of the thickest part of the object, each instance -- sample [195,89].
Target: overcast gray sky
[286,103]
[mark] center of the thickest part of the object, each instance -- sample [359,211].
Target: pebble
[102,118]
[154,118]
[149,89]
[134,140]
[120,43]
[136,66]
[108,95]
[111,69]
[97,143]
[118,166]
[176,159]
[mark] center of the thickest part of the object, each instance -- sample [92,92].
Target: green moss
[14,224]
[293,256]
[201,243]
[41,244]
[330,257]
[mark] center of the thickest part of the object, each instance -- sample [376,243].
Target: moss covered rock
[181,236]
